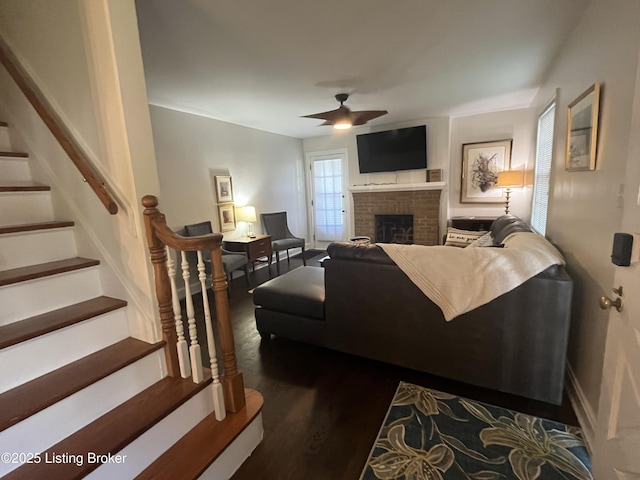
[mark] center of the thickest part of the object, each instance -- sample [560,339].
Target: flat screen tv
[393,150]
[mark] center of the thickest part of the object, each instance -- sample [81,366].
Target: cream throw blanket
[461,279]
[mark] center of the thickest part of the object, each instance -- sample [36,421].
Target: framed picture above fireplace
[481,163]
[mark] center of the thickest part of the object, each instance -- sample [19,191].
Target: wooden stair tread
[29,328]
[13,154]
[22,274]
[190,456]
[28,227]
[114,430]
[24,187]
[32,397]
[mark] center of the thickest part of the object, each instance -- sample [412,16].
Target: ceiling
[264,64]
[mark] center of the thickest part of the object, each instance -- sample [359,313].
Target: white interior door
[328,206]
[617,442]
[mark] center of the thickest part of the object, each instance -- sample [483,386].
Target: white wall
[437,156]
[85,57]
[519,125]
[40,31]
[266,169]
[584,209]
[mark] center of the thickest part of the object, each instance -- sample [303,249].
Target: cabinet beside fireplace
[472,223]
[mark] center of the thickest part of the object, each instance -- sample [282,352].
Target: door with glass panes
[328,205]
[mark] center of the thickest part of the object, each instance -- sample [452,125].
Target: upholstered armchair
[230,260]
[275,225]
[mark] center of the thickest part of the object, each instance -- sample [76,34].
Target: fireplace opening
[394,229]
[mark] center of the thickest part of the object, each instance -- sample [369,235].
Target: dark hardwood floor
[323,409]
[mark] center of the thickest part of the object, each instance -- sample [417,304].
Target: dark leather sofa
[361,303]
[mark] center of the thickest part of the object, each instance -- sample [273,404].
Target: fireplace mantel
[397,187]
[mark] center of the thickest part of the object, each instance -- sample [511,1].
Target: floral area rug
[430,435]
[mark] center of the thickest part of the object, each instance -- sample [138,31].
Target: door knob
[606,303]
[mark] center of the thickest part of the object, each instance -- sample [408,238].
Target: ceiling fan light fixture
[343,118]
[344,124]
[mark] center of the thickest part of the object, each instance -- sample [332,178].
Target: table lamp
[508,179]
[247,214]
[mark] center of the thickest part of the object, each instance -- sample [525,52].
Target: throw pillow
[485,240]
[461,238]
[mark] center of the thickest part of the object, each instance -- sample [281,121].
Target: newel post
[158,256]
[232,381]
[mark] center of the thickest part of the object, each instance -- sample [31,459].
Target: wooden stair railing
[64,138]
[160,236]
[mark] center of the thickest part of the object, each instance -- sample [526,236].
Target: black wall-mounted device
[622,246]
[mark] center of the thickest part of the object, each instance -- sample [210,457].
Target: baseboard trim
[585,414]
[283,253]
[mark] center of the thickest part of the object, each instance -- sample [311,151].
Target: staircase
[78,396]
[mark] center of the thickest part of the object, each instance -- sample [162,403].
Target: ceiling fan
[343,117]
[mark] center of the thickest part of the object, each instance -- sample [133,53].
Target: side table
[255,248]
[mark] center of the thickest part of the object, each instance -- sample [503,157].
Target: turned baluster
[194,349]
[182,347]
[218,392]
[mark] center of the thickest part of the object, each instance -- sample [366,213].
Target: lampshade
[510,178]
[246,214]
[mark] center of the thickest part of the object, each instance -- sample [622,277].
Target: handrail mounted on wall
[64,138]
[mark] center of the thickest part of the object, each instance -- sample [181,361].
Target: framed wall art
[227,217]
[481,163]
[224,189]
[582,130]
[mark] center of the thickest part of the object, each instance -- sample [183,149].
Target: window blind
[544,154]
[327,177]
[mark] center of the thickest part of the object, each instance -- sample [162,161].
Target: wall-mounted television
[393,150]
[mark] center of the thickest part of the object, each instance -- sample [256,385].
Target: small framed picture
[582,130]
[227,216]
[224,189]
[434,175]
[481,163]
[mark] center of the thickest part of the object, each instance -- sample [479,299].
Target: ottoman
[292,305]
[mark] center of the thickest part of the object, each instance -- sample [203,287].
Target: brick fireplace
[423,204]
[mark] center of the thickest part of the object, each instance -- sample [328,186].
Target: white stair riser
[236,453]
[38,356]
[48,427]
[5,141]
[26,299]
[38,246]
[152,444]
[17,208]
[14,169]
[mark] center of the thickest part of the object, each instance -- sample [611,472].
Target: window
[327,178]
[544,154]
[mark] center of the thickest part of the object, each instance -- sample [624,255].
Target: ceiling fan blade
[343,116]
[331,115]
[363,116]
